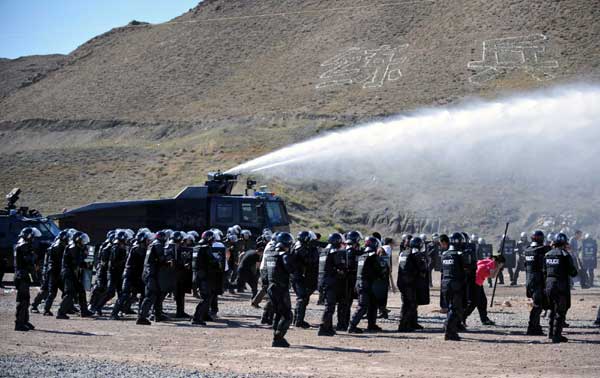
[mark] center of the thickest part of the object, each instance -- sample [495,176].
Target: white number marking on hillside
[371,68]
[525,52]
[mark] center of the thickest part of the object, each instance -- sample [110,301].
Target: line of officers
[152,265]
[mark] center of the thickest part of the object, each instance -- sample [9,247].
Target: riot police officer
[208,265]
[178,282]
[333,281]
[279,267]
[155,258]
[353,251]
[521,246]
[535,283]
[133,283]
[558,267]
[408,270]
[248,271]
[73,264]
[116,266]
[51,274]
[453,285]
[24,260]
[589,258]
[101,283]
[301,256]
[368,271]
[270,249]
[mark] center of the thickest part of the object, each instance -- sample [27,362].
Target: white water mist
[538,135]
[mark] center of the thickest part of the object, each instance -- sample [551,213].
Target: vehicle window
[224,212]
[249,213]
[274,213]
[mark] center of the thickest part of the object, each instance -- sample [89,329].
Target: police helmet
[435,236]
[456,239]
[304,236]
[561,240]
[178,236]
[194,234]
[81,238]
[481,241]
[537,236]
[423,237]
[473,238]
[465,237]
[284,240]
[162,235]
[587,236]
[63,236]
[218,234]
[232,238]
[208,236]
[110,235]
[121,236]
[335,239]
[246,234]
[354,237]
[142,237]
[416,243]
[523,235]
[372,244]
[28,233]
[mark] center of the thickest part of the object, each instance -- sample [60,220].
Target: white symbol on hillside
[371,68]
[526,52]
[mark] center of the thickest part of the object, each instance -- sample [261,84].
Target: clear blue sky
[35,27]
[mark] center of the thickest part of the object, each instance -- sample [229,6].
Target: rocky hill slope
[145,109]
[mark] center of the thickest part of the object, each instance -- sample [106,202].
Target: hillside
[145,109]
[19,73]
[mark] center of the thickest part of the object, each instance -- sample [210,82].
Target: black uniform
[520,251]
[279,268]
[182,262]
[369,270]
[589,259]
[535,284]
[559,267]
[474,294]
[73,265]
[155,258]
[301,256]
[116,267]
[208,265]
[133,283]
[248,272]
[422,279]
[267,316]
[333,281]
[52,281]
[453,289]
[24,260]
[101,284]
[406,282]
[352,255]
[510,260]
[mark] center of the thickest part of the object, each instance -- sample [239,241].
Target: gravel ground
[39,366]
[237,345]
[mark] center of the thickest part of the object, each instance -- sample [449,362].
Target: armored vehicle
[195,208]
[12,220]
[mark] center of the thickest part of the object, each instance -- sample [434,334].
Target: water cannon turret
[12,198]
[221,183]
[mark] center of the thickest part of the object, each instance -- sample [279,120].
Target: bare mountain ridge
[144,109]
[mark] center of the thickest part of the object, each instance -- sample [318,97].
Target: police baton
[498,272]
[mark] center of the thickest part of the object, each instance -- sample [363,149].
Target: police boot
[143,321]
[451,337]
[374,328]
[323,331]
[533,330]
[21,327]
[280,342]
[62,316]
[200,322]
[48,313]
[551,328]
[85,313]
[488,322]
[302,324]
[30,326]
[354,329]
[34,310]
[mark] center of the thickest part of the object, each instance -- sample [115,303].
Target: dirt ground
[238,344]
